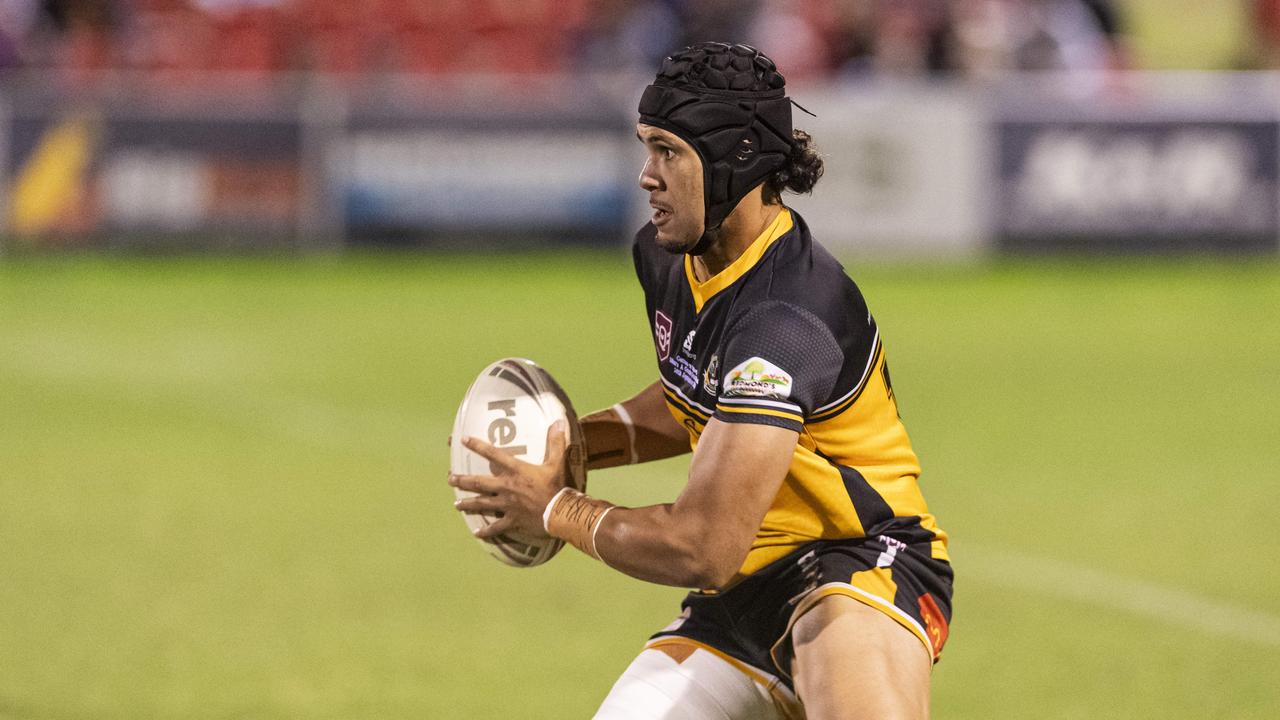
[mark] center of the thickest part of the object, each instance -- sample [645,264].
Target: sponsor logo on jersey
[757,377]
[685,371]
[662,334]
[688,343]
[710,376]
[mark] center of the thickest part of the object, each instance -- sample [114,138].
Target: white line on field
[1115,592]
[312,421]
[296,418]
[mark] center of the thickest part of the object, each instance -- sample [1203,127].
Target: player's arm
[701,539]
[698,541]
[633,431]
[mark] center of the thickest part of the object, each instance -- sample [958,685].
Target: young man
[824,589]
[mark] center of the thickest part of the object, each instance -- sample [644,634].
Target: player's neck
[747,221]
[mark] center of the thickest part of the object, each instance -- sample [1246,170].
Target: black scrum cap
[729,102]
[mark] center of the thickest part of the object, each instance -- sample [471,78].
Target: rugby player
[822,582]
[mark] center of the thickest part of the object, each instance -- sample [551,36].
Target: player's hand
[519,491]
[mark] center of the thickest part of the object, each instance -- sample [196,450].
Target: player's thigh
[687,684]
[853,661]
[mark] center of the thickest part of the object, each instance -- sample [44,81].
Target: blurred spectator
[716,20]
[176,40]
[623,35]
[1266,34]
[903,37]
[70,33]
[76,35]
[1111,22]
[1060,35]
[18,19]
[789,31]
[1031,35]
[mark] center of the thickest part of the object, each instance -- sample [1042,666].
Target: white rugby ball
[511,405]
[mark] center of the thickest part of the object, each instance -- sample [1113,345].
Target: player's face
[672,176]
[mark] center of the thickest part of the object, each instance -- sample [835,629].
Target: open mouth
[661,215]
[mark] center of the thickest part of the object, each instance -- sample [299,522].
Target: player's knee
[696,686]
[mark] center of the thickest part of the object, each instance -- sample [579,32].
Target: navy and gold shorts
[752,620]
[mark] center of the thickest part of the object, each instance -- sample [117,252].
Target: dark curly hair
[800,174]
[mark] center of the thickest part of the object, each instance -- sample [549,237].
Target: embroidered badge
[711,376]
[662,334]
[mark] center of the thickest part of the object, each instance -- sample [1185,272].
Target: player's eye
[668,153]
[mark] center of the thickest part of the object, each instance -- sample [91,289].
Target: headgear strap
[729,103]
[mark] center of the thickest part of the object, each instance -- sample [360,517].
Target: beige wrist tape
[624,417]
[575,518]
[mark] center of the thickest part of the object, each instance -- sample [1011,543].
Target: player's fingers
[495,528]
[476,483]
[478,504]
[495,455]
[449,441]
[557,441]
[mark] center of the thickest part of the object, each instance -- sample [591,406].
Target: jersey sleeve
[780,363]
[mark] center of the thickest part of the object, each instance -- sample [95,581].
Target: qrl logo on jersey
[662,334]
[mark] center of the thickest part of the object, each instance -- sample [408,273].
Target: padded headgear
[729,103]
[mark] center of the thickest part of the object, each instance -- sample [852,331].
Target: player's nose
[648,180]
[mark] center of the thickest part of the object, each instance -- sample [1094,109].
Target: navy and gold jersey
[783,337]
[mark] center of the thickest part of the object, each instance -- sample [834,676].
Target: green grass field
[222,485]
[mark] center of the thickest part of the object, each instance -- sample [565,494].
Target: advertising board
[1158,185]
[91,177]
[504,177]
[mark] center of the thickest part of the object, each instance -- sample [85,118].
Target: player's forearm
[700,540]
[664,544]
[643,431]
[658,545]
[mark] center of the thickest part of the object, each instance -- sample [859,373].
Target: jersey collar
[703,291]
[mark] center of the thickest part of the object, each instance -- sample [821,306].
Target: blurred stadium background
[253,251]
